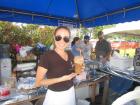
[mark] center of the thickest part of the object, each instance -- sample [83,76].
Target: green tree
[24,34]
[92,32]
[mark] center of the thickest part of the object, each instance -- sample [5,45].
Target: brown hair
[62,27]
[75,40]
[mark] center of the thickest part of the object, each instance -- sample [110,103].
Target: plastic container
[4,51]
[4,92]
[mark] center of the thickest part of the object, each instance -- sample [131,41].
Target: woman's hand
[42,81]
[78,49]
[83,68]
[68,77]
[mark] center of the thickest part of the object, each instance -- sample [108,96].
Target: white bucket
[82,102]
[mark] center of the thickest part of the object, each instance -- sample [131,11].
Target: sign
[67,24]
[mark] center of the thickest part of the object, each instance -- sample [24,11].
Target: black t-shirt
[102,47]
[57,67]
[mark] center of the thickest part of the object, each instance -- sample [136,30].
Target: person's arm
[109,52]
[96,48]
[42,81]
[79,50]
[91,48]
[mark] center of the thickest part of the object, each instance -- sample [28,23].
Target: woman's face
[62,37]
[78,41]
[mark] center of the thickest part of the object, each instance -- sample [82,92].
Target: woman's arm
[42,81]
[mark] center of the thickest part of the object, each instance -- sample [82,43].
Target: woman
[57,65]
[75,46]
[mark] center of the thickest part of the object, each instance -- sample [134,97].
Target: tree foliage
[92,32]
[32,34]
[25,34]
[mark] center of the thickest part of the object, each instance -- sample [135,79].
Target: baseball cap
[86,37]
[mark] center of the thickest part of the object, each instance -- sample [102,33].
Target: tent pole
[77,11]
[34,14]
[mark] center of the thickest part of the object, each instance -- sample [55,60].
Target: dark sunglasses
[65,38]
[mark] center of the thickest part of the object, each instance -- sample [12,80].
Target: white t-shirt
[86,50]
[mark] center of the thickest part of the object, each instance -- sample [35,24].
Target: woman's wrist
[60,79]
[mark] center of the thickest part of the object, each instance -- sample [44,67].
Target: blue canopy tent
[88,13]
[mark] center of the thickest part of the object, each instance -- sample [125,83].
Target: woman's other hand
[68,77]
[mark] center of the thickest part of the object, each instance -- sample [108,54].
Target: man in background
[102,48]
[86,48]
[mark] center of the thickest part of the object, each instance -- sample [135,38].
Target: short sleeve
[71,57]
[43,62]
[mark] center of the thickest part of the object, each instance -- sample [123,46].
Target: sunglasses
[65,38]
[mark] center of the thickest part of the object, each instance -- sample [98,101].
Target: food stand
[34,94]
